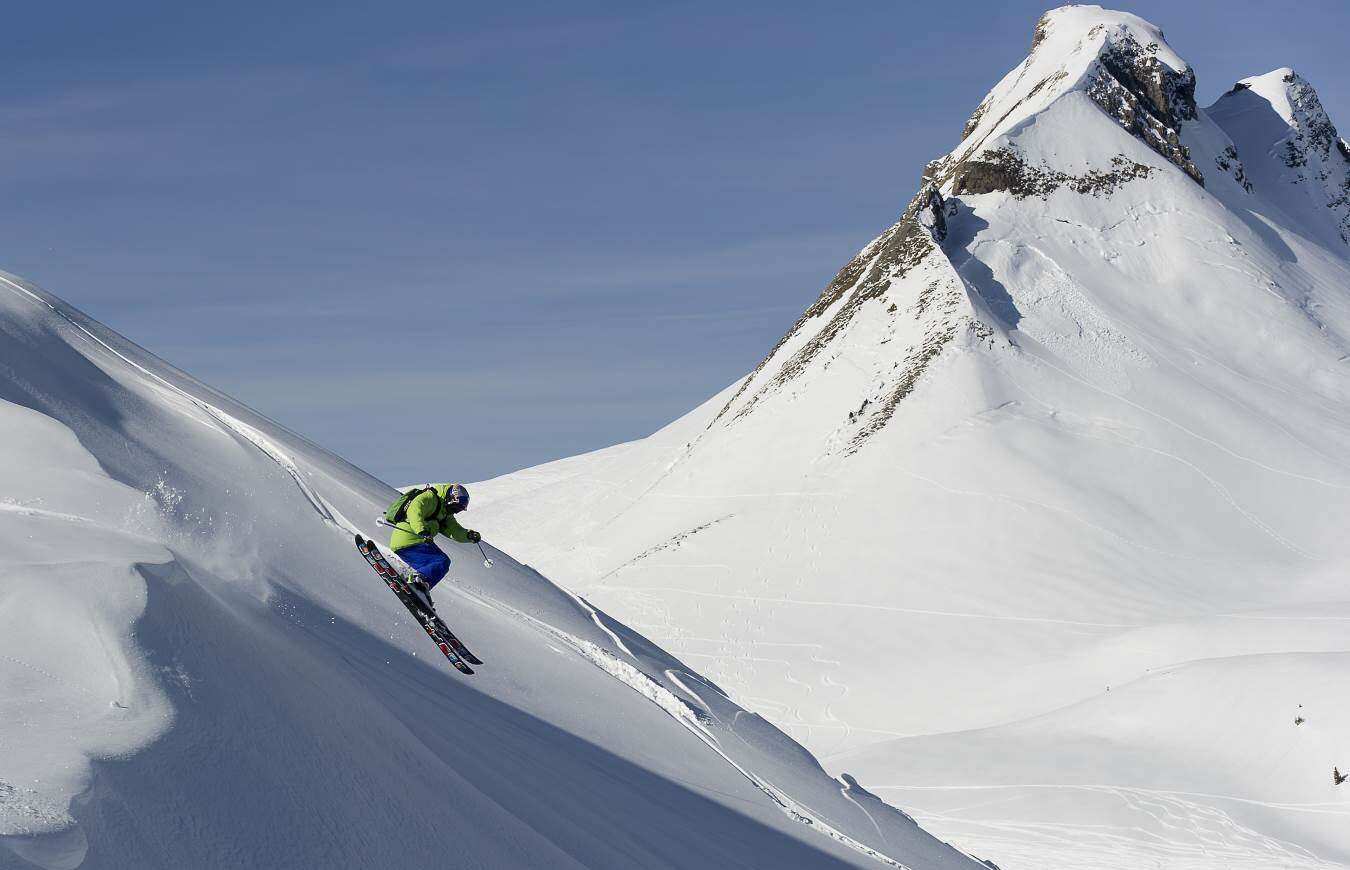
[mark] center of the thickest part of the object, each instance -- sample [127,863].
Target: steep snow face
[1293,152]
[1035,516]
[198,670]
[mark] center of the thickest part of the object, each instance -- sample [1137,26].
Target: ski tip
[454,660]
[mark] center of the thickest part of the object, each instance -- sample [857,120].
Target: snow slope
[1035,518]
[198,670]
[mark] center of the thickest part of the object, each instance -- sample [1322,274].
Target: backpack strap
[424,488]
[398,511]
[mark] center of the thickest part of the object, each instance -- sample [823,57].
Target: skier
[417,516]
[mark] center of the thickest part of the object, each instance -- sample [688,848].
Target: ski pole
[487,563]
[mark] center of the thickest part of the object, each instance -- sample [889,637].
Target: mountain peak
[1118,60]
[1293,149]
[1295,100]
[1088,27]
[1053,124]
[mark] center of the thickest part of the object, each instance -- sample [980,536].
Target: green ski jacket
[428,517]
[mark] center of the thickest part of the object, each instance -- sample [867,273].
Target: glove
[474,537]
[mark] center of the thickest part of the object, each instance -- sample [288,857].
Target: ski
[464,652]
[382,565]
[450,646]
[458,644]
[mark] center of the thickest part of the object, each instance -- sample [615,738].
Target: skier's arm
[454,530]
[421,516]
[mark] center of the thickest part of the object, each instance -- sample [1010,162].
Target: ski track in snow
[595,617]
[1223,491]
[848,787]
[1193,836]
[1182,428]
[1219,488]
[1332,412]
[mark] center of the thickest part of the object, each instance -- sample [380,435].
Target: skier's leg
[427,561]
[435,573]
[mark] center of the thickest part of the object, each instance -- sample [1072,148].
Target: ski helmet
[457,498]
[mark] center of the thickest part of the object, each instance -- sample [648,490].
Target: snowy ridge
[245,431]
[185,593]
[1068,581]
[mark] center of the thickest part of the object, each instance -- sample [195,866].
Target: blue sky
[449,240]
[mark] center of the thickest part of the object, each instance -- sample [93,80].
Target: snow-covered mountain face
[1303,164]
[197,669]
[1035,520]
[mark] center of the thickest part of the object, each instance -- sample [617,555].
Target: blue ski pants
[426,559]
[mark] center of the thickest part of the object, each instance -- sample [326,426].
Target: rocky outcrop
[1313,132]
[1315,149]
[942,331]
[1005,170]
[1041,32]
[866,277]
[1121,65]
[974,120]
[1229,161]
[1146,97]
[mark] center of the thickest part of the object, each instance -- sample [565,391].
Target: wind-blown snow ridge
[249,433]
